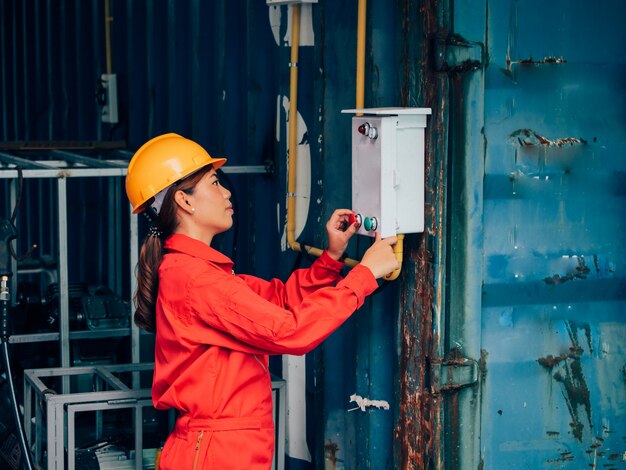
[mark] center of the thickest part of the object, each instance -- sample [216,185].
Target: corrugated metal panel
[213,72]
[553,220]
[191,67]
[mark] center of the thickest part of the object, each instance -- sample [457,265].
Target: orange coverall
[214,332]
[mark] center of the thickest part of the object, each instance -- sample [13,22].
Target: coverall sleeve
[324,272]
[226,303]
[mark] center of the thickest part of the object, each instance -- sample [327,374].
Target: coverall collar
[192,247]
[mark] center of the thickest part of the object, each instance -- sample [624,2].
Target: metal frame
[279,400]
[61,410]
[72,410]
[55,404]
[72,165]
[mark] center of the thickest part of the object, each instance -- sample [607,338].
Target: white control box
[388,169]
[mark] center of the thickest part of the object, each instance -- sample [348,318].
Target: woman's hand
[380,258]
[339,231]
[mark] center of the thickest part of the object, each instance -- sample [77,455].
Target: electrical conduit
[360,104]
[293,142]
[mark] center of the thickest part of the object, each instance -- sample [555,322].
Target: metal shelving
[51,163]
[61,165]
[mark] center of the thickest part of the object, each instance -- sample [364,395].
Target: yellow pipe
[293,142]
[107,34]
[397,249]
[360,104]
[293,128]
[360,56]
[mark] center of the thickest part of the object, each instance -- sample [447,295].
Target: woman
[215,329]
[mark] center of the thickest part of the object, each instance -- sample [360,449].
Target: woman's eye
[216,182]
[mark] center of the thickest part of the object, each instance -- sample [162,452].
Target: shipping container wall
[501,345]
[542,296]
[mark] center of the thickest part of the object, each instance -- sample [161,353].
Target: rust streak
[416,433]
[330,454]
[567,370]
[530,138]
[546,60]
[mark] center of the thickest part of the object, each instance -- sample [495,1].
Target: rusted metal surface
[417,436]
[531,61]
[566,369]
[580,272]
[330,455]
[452,372]
[416,430]
[529,138]
[553,291]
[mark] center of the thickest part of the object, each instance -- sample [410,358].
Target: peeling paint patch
[363,403]
[531,61]
[529,138]
[581,272]
[274,19]
[566,456]
[330,454]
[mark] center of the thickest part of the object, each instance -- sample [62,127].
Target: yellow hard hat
[161,162]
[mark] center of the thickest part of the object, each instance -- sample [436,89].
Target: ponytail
[148,282]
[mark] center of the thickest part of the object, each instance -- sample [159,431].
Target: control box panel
[388,169]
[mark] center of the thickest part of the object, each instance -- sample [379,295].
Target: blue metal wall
[543,191]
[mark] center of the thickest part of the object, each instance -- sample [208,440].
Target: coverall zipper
[195,459]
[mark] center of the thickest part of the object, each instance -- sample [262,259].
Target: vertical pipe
[62,77]
[15,111]
[360,56]
[138,415]
[26,129]
[293,142]
[50,75]
[38,65]
[134,259]
[64,306]
[149,59]
[3,76]
[293,126]
[107,35]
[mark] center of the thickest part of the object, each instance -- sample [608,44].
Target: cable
[4,339]
[27,462]
[18,203]
[7,234]
[18,200]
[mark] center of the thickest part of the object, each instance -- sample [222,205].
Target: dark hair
[151,252]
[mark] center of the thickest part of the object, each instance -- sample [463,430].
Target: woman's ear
[181,198]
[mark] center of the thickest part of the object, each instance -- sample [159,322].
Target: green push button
[370,223]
